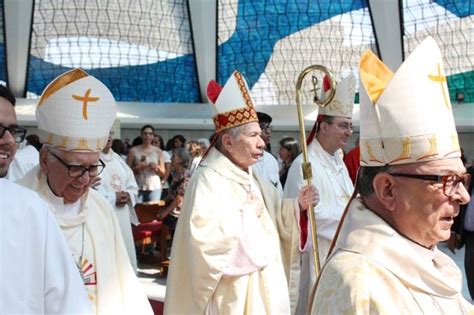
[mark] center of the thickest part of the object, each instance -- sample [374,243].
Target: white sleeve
[294,181]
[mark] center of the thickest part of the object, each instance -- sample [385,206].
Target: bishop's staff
[306,166]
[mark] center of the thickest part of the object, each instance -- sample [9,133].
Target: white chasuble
[108,276]
[228,245]
[37,271]
[375,270]
[332,180]
[117,176]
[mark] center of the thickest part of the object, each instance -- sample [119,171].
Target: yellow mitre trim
[374,74]
[60,82]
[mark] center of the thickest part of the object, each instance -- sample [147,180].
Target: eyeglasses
[450,182]
[343,126]
[17,132]
[266,127]
[76,171]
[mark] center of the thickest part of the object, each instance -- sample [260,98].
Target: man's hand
[308,195]
[121,198]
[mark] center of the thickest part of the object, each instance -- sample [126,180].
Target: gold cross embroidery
[84,100]
[441,79]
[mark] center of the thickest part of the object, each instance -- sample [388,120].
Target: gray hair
[184,156]
[49,148]
[204,142]
[366,175]
[234,132]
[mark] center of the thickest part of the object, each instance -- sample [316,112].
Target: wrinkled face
[338,132]
[424,213]
[7,142]
[62,185]
[284,154]
[247,148]
[147,135]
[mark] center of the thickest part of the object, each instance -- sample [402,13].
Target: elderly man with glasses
[411,184]
[37,271]
[330,134]
[75,114]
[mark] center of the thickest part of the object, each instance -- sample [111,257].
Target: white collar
[63,210]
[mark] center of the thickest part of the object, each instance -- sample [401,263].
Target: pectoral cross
[441,79]
[84,100]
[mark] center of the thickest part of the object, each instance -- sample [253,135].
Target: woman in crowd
[178,141]
[180,162]
[196,152]
[289,150]
[158,141]
[148,165]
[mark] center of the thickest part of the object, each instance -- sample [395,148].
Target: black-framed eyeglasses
[17,133]
[450,182]
[266,127]
[76,171]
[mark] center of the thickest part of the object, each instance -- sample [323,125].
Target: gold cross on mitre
[441,79]
[84,100]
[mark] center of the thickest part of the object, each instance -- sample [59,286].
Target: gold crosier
[306,165]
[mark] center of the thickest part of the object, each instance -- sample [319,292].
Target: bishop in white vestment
[75,114]
[375,270]
[235,249]
[410,187]
[331,179]
[117,177]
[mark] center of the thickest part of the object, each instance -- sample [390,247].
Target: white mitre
[406,117]
[75,112]
[232,104]
[343,102]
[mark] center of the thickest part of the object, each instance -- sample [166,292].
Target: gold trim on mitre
[60,82]
[432,150]
[64,142]
[243,89]
[83,145]
[406,150]
[234,118]
[370,152]
[49,140]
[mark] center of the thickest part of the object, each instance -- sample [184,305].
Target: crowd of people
[237,212]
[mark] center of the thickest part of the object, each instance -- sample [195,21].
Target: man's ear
[44,160]
[385,190]
[323,126]
[227,141]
